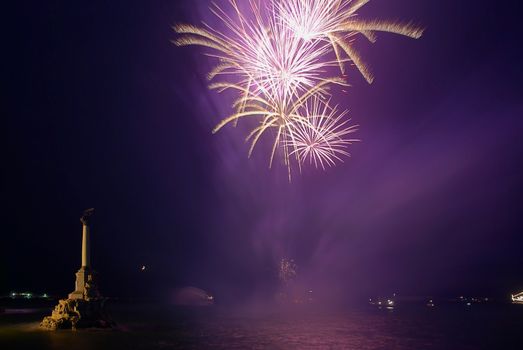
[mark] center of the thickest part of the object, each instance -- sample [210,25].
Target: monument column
[84,277]
[86,249]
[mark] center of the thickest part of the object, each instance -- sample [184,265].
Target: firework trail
[277,57]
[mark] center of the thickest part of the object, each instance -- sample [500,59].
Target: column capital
[84,219]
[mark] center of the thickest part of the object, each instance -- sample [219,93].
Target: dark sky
[101,110]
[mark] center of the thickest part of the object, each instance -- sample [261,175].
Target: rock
[78,313]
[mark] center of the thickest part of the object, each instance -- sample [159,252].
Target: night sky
[101,110]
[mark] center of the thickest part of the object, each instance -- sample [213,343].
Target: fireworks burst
[335,21]
[321,136]
[277,57]
[287,271]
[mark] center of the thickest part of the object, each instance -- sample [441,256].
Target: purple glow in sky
[103,111]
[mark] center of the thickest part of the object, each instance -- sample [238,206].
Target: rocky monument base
[77,313]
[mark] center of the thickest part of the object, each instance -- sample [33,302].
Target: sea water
[156,326]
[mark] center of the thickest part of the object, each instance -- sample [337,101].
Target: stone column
[86,249]
[84,275]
